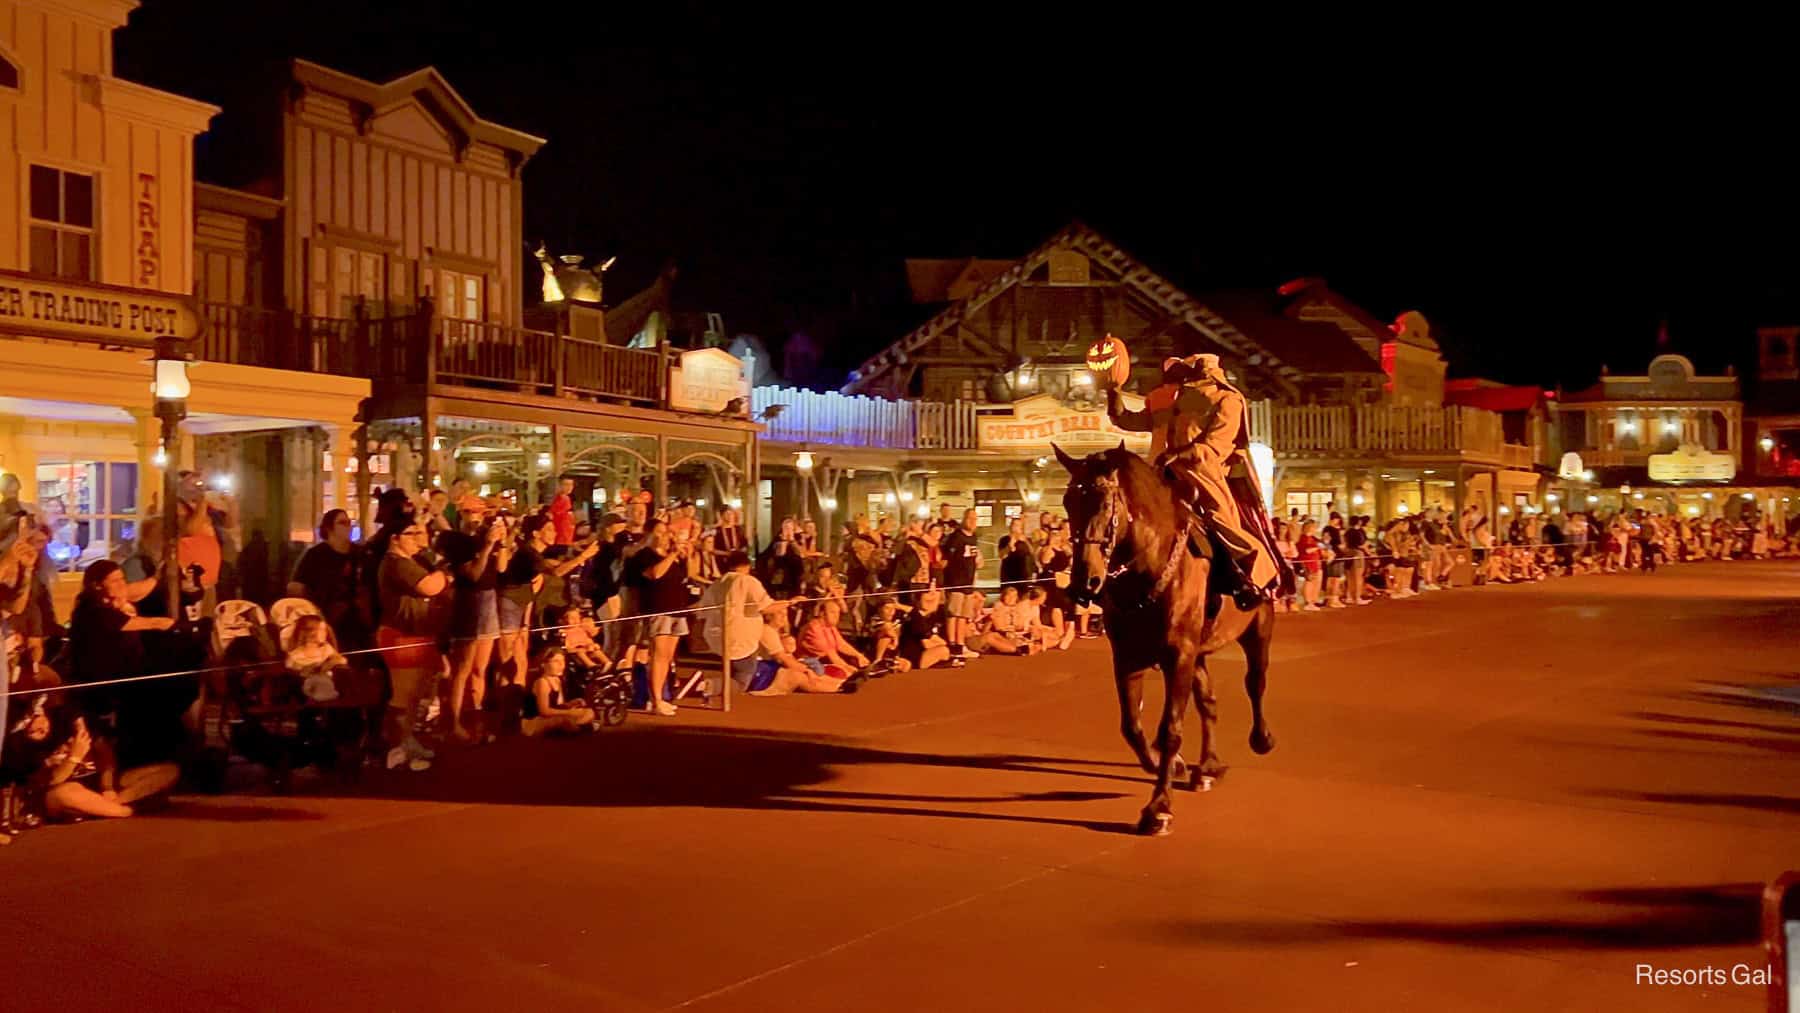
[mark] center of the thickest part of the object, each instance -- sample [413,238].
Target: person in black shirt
[659,572]
[783,563]
[962,559]
[1356,543]
[329,575]
[922,641]
[477,554]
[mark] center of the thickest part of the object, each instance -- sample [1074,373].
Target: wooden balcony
[1379,430]
[423,349]
[832,419]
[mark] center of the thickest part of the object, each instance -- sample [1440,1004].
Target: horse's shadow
[697,767]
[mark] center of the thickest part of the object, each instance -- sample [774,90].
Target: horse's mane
[1144,488]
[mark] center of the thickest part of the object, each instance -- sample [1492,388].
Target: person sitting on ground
[73,772]
[315,659]
[1042,609]
[822,639]
[883,634]
[754,633]
[545,710]
[1011,626]
[922,641]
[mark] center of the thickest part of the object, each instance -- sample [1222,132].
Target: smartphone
[1781,940]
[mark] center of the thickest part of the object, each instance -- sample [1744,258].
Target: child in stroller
[312,655]
[592,675]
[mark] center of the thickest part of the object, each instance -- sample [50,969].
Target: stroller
[266,718]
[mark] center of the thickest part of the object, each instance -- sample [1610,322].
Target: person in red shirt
[562,512]
[822,638]
[1309,551]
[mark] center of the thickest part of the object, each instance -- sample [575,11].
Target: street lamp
[803,462]
[170,386]
[1767,443]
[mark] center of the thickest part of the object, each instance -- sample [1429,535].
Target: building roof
[1493,396]
[1311,346]
[431,90]
[941,281]
[1146,284]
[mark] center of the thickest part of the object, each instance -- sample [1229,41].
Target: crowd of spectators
[477,620]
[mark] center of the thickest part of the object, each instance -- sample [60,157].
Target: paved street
[1499,798]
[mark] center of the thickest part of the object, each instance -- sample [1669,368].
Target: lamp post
[171,388]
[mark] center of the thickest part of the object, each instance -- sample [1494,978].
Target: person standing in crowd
[562,511]
[436,513]
[962,561]
[477,554]
[414,604]
[602,586]
[1309,551]
[784,562]
[659,571]
[911,562]
[1333,551]
[1017,567]
[729,538]
[863,559]
[329,574]
[523,583]
[1356,547]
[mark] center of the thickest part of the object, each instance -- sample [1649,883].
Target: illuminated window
[460,296]
[62,223]
[87,507]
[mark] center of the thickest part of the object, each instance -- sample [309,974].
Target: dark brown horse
[1164,611]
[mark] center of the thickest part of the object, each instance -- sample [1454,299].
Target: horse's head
[1099,516]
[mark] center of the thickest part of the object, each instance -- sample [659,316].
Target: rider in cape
[1199,443]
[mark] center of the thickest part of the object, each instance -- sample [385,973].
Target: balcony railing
[832,419]
[1376,429]
[418,348]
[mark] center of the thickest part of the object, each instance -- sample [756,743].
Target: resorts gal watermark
[1680,977]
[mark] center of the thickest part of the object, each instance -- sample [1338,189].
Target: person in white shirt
[751,638]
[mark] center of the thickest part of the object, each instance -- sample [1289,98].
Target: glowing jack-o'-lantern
[1109,357]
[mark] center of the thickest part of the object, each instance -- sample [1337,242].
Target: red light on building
[1388,351]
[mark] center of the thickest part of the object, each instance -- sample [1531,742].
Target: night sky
[1545,220]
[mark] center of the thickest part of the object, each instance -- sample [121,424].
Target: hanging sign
[1691,463]
[1040,420]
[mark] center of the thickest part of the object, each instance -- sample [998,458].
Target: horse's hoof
[1203,782]
[1178,770]
[1208,773]
[1155,825]
[1262,742]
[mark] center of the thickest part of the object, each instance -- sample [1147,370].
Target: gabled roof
[940,281]
[429,88]
[1145,283]
[1312,346]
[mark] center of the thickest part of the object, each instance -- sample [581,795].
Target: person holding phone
[477,555]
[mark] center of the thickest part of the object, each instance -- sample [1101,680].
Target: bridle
[1114,536]
[1114,505]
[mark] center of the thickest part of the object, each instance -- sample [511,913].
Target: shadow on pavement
[1766,803]
[1639,918]
[1686,719]
[676,766]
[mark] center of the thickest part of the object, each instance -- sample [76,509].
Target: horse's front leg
[1130,684]
[1210,768]
[1256,643]
[1178,684]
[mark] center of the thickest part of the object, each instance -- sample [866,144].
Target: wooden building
[378,232]
[965,408]
[101,247]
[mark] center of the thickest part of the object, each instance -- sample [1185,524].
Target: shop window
[89,508]
[62,223]
[1314,503]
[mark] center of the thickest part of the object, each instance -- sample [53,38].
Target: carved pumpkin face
[1109,357]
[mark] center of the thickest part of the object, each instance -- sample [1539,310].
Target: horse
[1163,610]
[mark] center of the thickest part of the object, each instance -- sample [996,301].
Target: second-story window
[459,295]
[62,223]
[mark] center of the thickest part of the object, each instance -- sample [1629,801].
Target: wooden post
[725,654]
